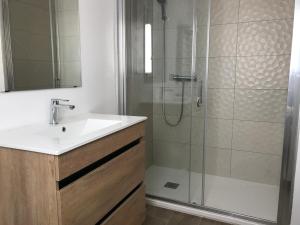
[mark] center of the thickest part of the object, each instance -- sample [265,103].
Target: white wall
[98,92]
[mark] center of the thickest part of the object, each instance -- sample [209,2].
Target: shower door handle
[200,95]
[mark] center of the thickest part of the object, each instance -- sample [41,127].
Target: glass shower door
[199,104]
[173,80]
[165,90]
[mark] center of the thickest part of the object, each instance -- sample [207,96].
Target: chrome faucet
[55,105]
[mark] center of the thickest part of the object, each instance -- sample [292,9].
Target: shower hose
[178,120]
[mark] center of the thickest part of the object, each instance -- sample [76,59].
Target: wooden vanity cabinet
[99,183]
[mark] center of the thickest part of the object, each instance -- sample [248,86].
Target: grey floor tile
[159,216]
[184,219]
[211,222]
[154,221]
[162,214]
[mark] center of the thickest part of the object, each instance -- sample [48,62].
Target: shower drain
[171,185]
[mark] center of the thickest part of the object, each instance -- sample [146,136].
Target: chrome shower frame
[120,50]
[290,148]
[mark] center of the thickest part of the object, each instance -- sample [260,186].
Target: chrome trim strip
[3,80]
[121,55]
[55,51]
[205,109]
[254,220]
[290,148]
[193,74]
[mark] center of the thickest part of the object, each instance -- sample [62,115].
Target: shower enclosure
[212,78]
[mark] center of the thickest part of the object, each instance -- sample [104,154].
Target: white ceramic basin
[66,136]
[77,129]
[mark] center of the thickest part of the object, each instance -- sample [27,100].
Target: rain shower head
[163,9]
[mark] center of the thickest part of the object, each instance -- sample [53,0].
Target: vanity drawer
[131,212]
[73,161]
[88,199]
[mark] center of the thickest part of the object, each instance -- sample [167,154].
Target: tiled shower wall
[249,55]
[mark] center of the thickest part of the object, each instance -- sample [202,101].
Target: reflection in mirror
[40,44]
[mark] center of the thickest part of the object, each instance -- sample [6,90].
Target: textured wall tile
[220,103]
[258,137]
[179,13]
[197,111]
[149,154]
[27,46]
[202,7]
[70,74]
[157,21]
[178,66]
[265,38]
[224,11]
[219,133]
[255,10]
[171,154]
[157,65]
[260,105]
[263,72]
[200,68]
[171,109]
[223,40]
[202,41]
[25,71]
[197,136]
[24,17]
[221,72]
[68,23]
[196,158]
[180,134]
[179,43]
[217,161]
[173,95]
[70,48]
[256,167]
[64,5]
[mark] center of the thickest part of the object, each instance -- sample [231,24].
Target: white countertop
[48,139]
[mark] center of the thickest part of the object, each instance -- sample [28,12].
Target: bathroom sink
[66,136]
[77,129]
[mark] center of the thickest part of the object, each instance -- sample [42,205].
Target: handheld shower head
[163,9]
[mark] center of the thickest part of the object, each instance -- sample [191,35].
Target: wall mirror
[40,45]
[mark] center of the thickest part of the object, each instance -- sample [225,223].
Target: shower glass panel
[167,96]
[174,77]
